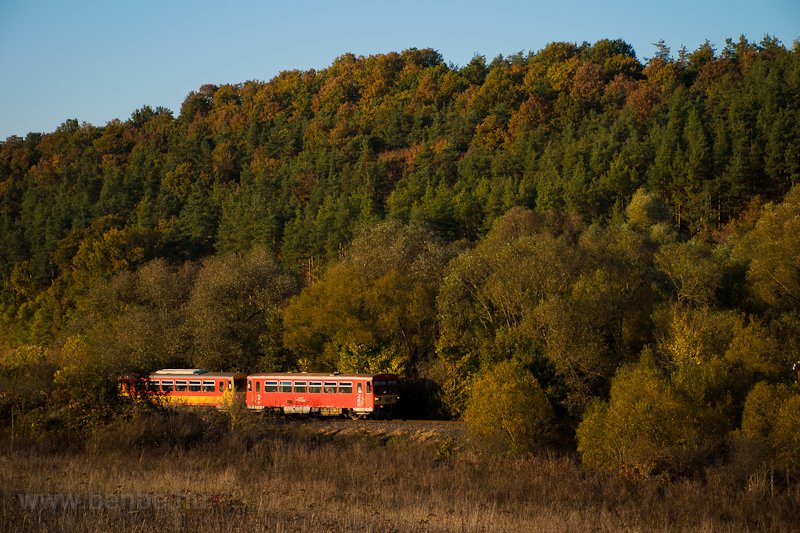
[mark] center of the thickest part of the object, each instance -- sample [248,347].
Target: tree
[694,270]
[379,299]
[772,417]
[489,296]
[115,251]
[136,321]
[646,210]
[26,374]
[508,412]
[646,426]
[773,251]
[602,319]
[234,312]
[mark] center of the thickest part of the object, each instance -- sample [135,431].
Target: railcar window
[330,387]
[258,387]
[194,386]
[359,388]
[249,386]
[167,386]
[222,386]
[345,387]
[315,386]
[180,386]
[270,386]
[153,386]
[369,387]
[300,386]
[286,386]
[208,386]
[383,387]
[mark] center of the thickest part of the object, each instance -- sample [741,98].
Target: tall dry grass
[288,477]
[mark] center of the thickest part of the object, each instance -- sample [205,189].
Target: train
[284,393]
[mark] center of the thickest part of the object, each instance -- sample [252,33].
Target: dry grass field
[190,471]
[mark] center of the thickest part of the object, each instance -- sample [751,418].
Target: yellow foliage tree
[647,425]
[508,411]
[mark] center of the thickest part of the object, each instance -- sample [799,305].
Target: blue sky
[102,59]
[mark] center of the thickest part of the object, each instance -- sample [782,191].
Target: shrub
[25,375]
[772,416]
[647,426]
[508,411]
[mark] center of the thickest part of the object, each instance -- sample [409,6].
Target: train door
[254,394]
[360,402]
[258,402]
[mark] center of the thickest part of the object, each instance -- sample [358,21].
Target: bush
[508,411]
[25,375]
[647,426]
[772,417]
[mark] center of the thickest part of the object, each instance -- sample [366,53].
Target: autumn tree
[773,252]
[508,412]
[489,296]
[234,312]
[646,426]
[375,305]
[771,417]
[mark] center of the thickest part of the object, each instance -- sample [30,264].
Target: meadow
[197,471]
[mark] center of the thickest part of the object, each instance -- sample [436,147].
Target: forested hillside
[617,241]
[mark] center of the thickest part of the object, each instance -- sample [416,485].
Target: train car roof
[318,375]
[193,373]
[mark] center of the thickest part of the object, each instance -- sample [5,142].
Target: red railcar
[188,386]
[355,395]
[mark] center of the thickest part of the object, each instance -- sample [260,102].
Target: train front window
[384,386]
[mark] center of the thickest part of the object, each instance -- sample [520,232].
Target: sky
[97,60]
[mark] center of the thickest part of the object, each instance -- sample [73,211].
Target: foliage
[378,300]
[567,210]
[26,373]
[772,415]
[647,425]
[773,249]
[508,411]
[233,312]
[574,310]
